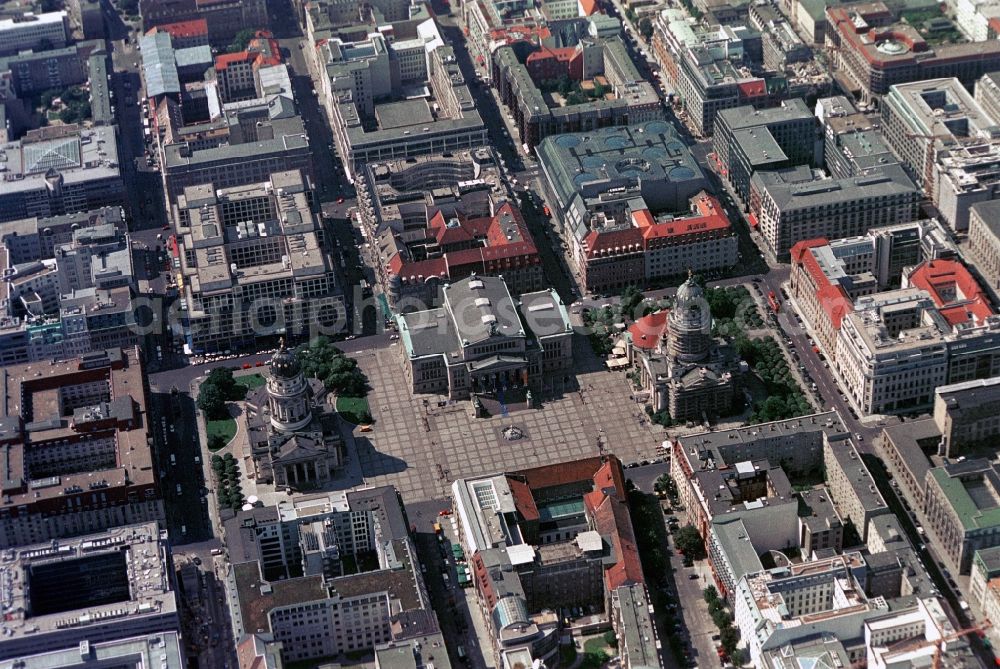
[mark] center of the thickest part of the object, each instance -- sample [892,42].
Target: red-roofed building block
[235,71]
[615,255]
[185,34]
[460,246]
[954,290]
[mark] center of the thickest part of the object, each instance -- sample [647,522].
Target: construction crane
[940,643]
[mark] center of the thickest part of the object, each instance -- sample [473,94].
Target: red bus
[773,302]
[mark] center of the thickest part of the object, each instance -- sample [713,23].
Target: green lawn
[595,645]
[225,428]
[245,384]
[354,410]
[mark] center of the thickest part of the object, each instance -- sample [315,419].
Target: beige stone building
[984,239]
[481,342]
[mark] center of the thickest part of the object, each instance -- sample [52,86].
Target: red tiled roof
[563,53]
[836,303]
[612,520]
[937,277]
[588,6]
[524,501]
[753,88]
[193,28]
[710,217]
[624,240]
[643,219]
[263,50]
[547,476]
[422,270]
[646,331]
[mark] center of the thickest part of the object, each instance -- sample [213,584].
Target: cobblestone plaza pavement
[420,447]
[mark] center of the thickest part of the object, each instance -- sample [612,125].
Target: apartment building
[632,621]
[747,140]
[76,448]
[60,170]
[825,594]
[961,510]
[223,18]
[516,72]
[643,216]
[948,143]
[395,100]
[236,73]
[987,93]
[101,587]
[251,262]
[891,351]
[250,141]
[984,240]
[967,413]
[296,574]
[797,443]
[524,567]
[442,218]
[66,286]
[985,568]
[32,72]
[162,649]
[30,31]
[756,485]
[793,204]
[852,486]
[916,635]
[184,34]
[875,52]
[827,277]
[853,142]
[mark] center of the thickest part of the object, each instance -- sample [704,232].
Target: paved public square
[420,447]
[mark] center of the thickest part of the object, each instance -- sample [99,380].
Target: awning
[753,221]
[618,350]
[617,363]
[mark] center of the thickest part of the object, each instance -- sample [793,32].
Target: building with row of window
[895,347]
[328,574]
[437,219]
[827,277]
[223,18]
[483,342]
[67,287]
[791,204]
[631,202]
[244,145]
[60,169]
[853,142]
[947,142]
[75,438]
[611,92]
[553,537]
[32,72]
[747,140]
[393,99]
[32,31]
[250,263]
[874,51]
[85,593]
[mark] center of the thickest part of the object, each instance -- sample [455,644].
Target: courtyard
[421,444]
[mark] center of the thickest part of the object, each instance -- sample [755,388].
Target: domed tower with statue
[292,427]
[683,369]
